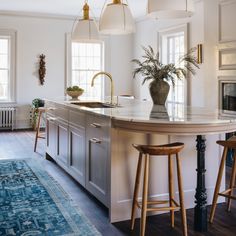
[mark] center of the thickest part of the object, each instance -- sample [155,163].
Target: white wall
[37,35]
[202,29]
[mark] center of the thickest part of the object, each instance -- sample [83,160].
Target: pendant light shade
[86,28]
[116,19]
[167,9]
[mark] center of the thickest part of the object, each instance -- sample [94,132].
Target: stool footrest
[160,202]
[163,208]
[228,196]
[176,203]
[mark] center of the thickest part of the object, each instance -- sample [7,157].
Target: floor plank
[20,144]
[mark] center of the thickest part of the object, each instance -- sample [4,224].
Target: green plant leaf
[152,69]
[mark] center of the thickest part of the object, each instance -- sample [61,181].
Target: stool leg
[181,196]
[145,193]
[37,132]
[232,182]
[218,182]
[136,190]
[171,190]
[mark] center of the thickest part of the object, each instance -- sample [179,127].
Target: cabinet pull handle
[96,125]
[95,140]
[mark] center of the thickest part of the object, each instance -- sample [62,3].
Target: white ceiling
[67,7]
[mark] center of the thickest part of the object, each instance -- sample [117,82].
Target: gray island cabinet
[79,143]
[94,145]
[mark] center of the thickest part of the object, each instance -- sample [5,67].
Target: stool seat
[157,150]
[228,193]
[229,143]
[145,151]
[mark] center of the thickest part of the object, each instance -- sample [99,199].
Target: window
[7,66]
[87,60]
[173,45]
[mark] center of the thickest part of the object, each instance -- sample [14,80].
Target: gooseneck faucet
[110,77]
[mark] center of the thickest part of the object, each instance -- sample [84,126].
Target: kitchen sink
[94,104]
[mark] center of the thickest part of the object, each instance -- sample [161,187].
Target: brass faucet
[110,77]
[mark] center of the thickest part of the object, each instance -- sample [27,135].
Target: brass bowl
[75,94]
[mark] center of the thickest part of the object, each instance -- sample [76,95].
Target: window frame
[11,34]
[68,80]
[164,33]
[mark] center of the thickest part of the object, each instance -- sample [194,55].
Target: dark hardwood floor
[20,145]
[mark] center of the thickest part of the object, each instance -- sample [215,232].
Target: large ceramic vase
[159,90]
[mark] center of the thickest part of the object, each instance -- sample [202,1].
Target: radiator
[7,117]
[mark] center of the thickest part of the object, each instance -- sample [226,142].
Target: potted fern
[160,75]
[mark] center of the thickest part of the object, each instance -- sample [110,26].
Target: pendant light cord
[186,5]
[103,7]
[123,13]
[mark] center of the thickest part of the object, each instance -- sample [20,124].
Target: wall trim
[221,39]
[37,15]
[227,66]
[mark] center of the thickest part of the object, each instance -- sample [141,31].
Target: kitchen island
[94,145]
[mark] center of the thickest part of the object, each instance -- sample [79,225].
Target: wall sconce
[199,53]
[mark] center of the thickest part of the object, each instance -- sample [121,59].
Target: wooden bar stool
[41,111]
[153,150]
[228,193]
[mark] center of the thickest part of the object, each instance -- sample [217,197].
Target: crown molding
[60,16]
[37,15]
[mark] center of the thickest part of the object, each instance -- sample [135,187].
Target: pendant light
[167,9]
[85,28]
[116,19]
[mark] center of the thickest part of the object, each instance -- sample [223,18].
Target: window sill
[8,103]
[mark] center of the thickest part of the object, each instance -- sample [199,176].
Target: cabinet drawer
[62,113]
[77,119]
[98,127]
[51,108]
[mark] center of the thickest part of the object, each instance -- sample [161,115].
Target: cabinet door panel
[51,132]
[77,154]
[62,144]
[97,169]
[98,165]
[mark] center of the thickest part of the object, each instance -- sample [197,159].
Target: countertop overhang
[175,119]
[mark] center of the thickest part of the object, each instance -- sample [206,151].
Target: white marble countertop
[134,110]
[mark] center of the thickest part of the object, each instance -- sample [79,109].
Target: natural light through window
[173,45]
[4,68]
[175,50]
[87,60]
[7,65]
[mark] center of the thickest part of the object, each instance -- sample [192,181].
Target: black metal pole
[200,210]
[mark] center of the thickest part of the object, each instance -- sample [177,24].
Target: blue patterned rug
[32,203]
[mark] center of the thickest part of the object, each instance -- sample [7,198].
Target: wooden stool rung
[176,203]
[227,195]
[160,202]
[163,208]
[138,205]
[225,191]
